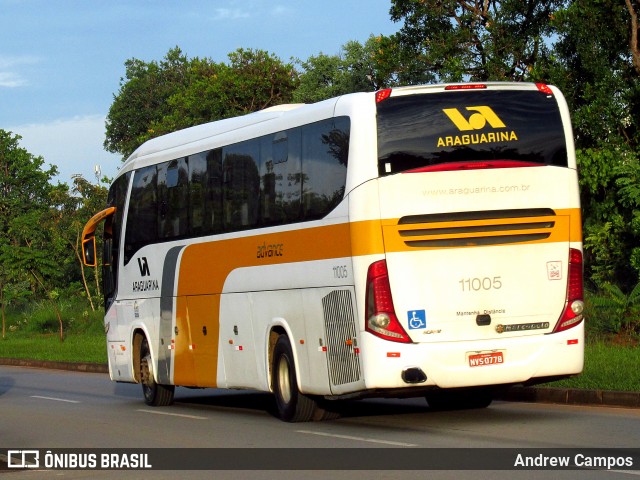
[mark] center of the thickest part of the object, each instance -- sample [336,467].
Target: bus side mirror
[89,251]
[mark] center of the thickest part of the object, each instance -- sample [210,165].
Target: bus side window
[281,177]
[112,230]
[109,272]
[241,185]
[325,151]
[173,189]
[205,192]
[142,220]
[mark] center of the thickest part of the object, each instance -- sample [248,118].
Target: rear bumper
[446,364]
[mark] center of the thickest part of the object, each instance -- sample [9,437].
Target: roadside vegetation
[608,366]
[612,350]
[33,333]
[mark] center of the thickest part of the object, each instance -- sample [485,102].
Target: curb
[571,396]
[562,396]
[70,366]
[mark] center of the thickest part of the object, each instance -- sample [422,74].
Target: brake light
[544,88]
[466,86]
[381,319]
[573,311]
[383,95]
[445,167]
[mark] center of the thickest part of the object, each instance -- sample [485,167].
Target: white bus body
[414,241]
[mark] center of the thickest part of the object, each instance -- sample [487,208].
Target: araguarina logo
[144,267]
[476,121]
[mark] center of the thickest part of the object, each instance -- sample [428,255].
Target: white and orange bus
[415,241]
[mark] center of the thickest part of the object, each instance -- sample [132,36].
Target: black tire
[293,406]
[155,395]
[327,410]
[467,399]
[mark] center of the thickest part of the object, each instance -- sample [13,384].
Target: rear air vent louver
[340,333]
[489,227]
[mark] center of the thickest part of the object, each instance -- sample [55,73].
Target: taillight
[544,88]
[466,86]
[573,311]
[482,165]
[381,317]
[383,95]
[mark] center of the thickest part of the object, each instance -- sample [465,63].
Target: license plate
[485,359]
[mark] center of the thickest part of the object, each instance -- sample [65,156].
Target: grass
[32,333]
[89,348]
[607,366]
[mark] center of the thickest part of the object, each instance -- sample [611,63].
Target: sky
[61,61]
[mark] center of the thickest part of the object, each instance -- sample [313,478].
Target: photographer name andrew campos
[578,460]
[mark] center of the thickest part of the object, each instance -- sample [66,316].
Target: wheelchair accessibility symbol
[417,319]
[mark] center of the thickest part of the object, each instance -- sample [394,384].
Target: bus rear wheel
[293,406]
[155,395]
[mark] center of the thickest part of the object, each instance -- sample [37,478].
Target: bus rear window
[418,131]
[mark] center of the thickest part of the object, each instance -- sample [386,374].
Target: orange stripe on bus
[205,266]
[203,270]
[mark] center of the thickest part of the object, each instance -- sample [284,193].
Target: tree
[634,9]
[92,198]
[455,40]
[158,98]
[73,207]
[25,247]
[253,80]
[357,68]
[598,75]
[142,99]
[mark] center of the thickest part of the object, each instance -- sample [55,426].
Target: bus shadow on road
[251,401]
[239,400]
[258,403]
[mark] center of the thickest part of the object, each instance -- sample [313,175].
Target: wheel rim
[284,382]
[146,375]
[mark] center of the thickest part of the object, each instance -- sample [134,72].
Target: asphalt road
[51,409]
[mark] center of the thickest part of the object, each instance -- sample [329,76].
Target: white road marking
[55,399]
[359,439]
[157,412]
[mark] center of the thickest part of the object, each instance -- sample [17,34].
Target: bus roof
[194,134]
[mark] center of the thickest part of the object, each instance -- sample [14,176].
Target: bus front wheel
[155,395]
[293,406]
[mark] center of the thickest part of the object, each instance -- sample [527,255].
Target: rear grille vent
[340,333]
[490,227]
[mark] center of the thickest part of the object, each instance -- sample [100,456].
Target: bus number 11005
[476,284]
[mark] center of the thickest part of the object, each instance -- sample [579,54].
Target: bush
[39,317]
[611,311]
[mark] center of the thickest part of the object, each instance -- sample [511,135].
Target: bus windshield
[422,131]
